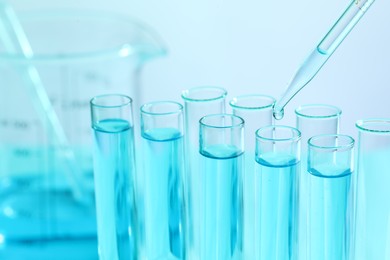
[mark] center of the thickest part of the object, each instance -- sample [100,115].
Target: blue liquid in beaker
[276,198]
[163,204]
[39,216]
[328,209]
[115,202]
[221,201]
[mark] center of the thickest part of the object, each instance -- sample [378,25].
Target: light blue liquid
[221,198]
[248,210]
[39,217]
[194,204]
[328,223]
[114,179]
[163,205]
[302,206]
[276,201]
[372,228]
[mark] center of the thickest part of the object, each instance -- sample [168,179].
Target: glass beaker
[256,110]
[198,102]
[311,120]
[372,219]
[221,145]
[276,185]
[330,164]
[77,55]
[114,175]
[161,201]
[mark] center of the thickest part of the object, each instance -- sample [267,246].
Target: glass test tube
[163,169]
[114,173]
[221,146]
[256,110]
[198,102]
[316,119]
[330,165]
[372,228]
[311,120]
[276,180]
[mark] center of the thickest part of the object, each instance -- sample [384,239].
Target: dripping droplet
[278,115]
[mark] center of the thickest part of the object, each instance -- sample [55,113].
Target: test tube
[221,145]
[372,227]
[256,110]
[162,131]
[198,102]
[276,184]
[311,120]
[316,119]
[114,173]
[330,165]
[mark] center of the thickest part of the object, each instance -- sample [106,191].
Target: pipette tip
[278,113]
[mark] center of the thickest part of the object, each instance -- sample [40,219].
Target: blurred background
[255,47]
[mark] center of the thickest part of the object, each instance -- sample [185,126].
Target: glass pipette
[317,58]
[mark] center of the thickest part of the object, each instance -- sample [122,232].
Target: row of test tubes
[201,183]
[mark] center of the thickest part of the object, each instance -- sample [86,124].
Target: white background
[249,46]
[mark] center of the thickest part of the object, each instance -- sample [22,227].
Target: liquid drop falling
[278,115]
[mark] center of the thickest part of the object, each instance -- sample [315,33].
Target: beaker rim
[237,122]
[149,47]
[176,108]
[347,142]
[268,101]
[111,101]
[374,125]
[323,111]
[217,93]
[295,133]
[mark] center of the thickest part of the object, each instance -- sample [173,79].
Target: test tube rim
[239,124]
[348,145]
[127,101]
[223,94]
[233,105]
[337,111]
[149,104]
[360,125]
[296,137]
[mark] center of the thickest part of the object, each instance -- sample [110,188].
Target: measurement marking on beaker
[4,123]
[20,152]
[21,124]
[76,104]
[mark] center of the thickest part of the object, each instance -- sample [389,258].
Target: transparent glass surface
[330,167]
[73,56]
[220,173]
[198,102]
[161,189]
[114,175]
[256,110]
[311,120]
[372,219]
[277,191]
